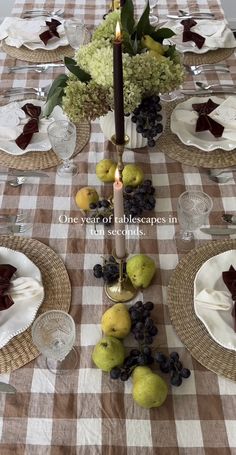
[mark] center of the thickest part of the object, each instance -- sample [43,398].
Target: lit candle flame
[118,32]
[117,175]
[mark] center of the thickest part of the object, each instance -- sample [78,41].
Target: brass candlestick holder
[120,151]
[122,290]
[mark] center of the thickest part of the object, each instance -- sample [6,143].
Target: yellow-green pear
[159,57]
[85,196]
[108,353]
[105,170]
[132,175]
[149,389]
[140,270]
[148,42]
[116,321]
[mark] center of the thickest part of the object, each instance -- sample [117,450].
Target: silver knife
[191,16]
[208,92]
[218,230]
[7,388]
[20,173]
[40,65]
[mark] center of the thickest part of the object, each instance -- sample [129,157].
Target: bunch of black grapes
[139,199]
[148,118]
[109,270]
[173,366]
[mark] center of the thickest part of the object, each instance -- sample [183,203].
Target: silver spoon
[18,181]
[204,86]
[185,13]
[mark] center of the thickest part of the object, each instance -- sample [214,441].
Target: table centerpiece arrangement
[149,69]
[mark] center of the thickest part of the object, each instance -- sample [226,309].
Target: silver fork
[186,13]
[198,69]
[38,68]
[15,228]
[204,86]
[13,218]
[35,13]
[14,91]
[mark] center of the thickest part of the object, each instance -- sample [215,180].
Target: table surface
[87,413]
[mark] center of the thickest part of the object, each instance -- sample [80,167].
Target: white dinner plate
[40,141]
[19,316]
[217,35]
[220,324]
[183,124]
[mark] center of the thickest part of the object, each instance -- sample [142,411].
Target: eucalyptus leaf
[60,81]
[127,17]
[75,69]
[54,100]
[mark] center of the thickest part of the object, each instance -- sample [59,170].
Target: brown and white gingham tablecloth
[87,413]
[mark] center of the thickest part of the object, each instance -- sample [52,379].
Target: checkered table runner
[87,413]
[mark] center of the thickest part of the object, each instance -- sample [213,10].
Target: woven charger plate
[38,56]
[45,160]
[170,144]
[20,349]
[190,58]
[189,328]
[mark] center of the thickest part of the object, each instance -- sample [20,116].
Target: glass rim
[196,192]
[60,122]
[46,313]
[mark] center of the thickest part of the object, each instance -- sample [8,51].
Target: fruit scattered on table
[109,270]
[139,199]
[116,321]
[85,197]
[149,389]
[105,170]
[140,270]
[132,175]
[148,119]
[108,353]
[173,366]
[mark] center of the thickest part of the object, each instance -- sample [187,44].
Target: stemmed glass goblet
[152,17]
[62,136]
[193,208]
[53,333]
[76,32]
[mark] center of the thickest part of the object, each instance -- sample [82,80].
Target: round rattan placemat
[170,144]
[209,57]
[45,160]
[189,328]
[20,349]
[38,56]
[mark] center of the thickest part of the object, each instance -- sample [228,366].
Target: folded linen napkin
[18,32]
[214,300]
[189,35]
[24,288]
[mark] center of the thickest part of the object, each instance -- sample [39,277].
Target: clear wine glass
[62,136]
[152,17]
[193,208]
[76,32]
[53,334]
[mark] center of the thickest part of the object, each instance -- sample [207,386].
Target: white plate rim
[187,138]
[39,303]
[206,263]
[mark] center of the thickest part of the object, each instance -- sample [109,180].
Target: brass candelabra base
[122,290]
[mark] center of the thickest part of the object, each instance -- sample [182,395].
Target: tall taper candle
[118,87]
[119,224]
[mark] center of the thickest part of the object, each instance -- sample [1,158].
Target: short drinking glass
[76,33]
[53,334]
[193,208]
[62,135]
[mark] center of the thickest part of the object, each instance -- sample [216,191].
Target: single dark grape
[139,326]
[97,271]
[134,119]
[175,356]
[115,373]
[148,306]
[151,143]
[176,379]
[159,128]
[99,204]
[158,117]
[130,361]
[142,359]
[135,315]
[160,357]
[148,340]
[165,366]
[138,304]
[124,375]
[147,350]
[139,336]
[146,314]
[153,331]
[93,205]
[158,107]
[179,365]
[185,373]
[136,111]
[150,360]
[149,323]
[139,129]
[128,189]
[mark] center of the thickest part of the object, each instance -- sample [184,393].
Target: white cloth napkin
[217,34]
[214,300]
[19,31]
[25,289]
